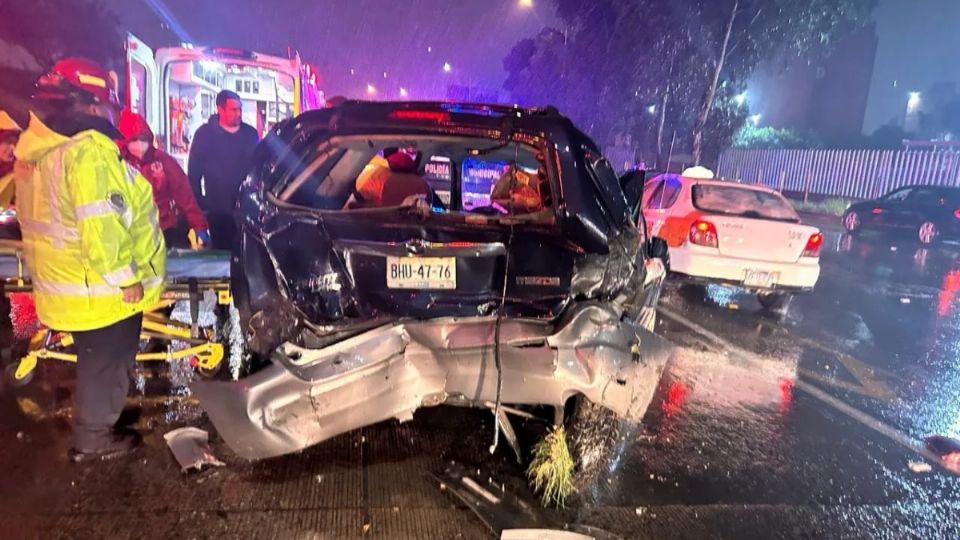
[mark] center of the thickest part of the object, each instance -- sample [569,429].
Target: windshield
[742,202]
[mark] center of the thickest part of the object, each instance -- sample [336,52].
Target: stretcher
[190,275]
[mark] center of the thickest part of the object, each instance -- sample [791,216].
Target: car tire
[851,221]
[775,302]
[592,434]
[927,233]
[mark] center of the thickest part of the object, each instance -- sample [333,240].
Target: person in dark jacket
[219,160]
[171,188]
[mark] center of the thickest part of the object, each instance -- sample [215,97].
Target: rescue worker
[91,242]
[171,187]
[9,133]
[219,160]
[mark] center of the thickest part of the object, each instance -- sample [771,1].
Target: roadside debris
[543,534]
[191,448]
[920,467]
[505,514]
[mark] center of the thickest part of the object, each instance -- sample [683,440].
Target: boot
[121,445]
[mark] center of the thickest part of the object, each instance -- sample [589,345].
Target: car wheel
[927,233]
[776,302]
[593,432]
[851,221]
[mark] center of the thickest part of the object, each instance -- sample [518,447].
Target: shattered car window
[362,173]
[743,202]
[608,184]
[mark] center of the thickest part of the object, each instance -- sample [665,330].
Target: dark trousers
[223,228]
[177,237]
[104,359]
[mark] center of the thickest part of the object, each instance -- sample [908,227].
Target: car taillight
[956,213]
[813,246]
[703,233]
[877,210]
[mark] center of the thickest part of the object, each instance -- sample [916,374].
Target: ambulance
[175,89]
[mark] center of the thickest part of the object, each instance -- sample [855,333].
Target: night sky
[369,36]
[919,46]
[919,41]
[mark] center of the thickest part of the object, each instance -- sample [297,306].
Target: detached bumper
[310,395]
[798,276]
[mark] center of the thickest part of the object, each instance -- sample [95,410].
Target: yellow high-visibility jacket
[89,227]
[6,190]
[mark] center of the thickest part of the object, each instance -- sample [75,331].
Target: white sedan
[733,234]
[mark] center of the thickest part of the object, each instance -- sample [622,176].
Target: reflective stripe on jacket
[89,227]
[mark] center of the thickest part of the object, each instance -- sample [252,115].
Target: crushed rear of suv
[402,255]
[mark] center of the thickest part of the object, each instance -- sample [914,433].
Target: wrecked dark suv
[402,255]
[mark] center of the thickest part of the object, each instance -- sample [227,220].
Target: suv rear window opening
[452,174]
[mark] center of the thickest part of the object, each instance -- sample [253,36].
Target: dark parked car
[928,213]
[495,261]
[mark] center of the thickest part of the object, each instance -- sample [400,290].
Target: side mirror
[632,185]
[657,248]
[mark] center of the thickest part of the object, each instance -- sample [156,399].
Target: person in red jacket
[171,187]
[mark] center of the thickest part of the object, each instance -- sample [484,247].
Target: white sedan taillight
[813,246]
[704,233]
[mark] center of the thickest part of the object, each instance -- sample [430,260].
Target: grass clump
[551,471]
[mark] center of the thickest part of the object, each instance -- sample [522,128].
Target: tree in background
[659,67]
[765,137]
[34,34]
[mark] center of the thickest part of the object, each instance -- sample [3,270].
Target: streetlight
[652,109]
[755,119]
[371,89]
[403,92]
[526,4]
[913,101]
[447,67]
[740,99]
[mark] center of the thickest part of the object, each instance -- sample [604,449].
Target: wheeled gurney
[190,275]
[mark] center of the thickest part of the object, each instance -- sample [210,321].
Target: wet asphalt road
[800,426]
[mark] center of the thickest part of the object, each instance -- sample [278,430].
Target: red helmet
[78,79]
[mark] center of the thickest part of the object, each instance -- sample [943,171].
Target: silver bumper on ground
[310,395]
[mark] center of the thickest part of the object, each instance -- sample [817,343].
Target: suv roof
[429,115]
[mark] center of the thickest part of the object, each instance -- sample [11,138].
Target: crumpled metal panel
[310,395]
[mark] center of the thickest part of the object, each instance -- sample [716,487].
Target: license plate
[757,278]
[421,272]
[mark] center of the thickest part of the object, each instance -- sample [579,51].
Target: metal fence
[857,174]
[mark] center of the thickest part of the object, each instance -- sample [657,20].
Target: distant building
[828,97]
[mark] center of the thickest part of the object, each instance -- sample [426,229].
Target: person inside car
[517,192]
[384,186]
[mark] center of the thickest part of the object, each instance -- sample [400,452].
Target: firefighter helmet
[78,80]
